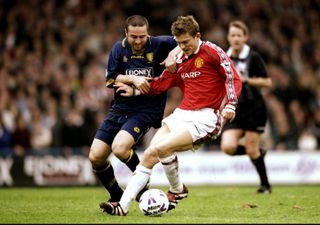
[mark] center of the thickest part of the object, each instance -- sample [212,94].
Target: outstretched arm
[258,82]
[140,82]
[157,86]
[124,89]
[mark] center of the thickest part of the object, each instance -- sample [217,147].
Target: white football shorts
[199,123]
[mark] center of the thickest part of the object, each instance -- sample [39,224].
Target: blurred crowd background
[53,55]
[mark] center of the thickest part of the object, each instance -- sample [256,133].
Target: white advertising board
[217,168]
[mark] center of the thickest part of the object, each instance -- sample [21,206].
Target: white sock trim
[168,159]
[143,169]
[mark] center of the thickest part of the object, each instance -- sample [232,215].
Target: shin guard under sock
[261,169]
[106,176]
[132,161]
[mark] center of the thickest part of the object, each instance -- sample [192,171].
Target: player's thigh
[135,127]
[109,128]
[122,143]
[138,125]
[174,141]
[150,155]
[160,133]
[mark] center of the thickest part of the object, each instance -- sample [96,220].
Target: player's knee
[228,148]
[149,158]
[162,150]
[121,154]
[98,155]
[121,151]
[150,153]
[94,159]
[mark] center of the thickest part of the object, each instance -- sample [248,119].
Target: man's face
[236,38]
[187,43]
[137,38]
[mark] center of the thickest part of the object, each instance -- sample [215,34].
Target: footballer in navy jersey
[137,57]
[123,61]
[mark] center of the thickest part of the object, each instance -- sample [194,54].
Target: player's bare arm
[125,90]
[259,82]
[140,82]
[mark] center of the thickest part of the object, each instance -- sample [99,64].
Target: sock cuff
[103,168]
[257,160]
[130,156]
[143,169]
[168,160]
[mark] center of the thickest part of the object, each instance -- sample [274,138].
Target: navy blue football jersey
[123,61]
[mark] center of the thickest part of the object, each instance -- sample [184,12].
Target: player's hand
[142,83]
[170,64]
[229,113]
[123,89]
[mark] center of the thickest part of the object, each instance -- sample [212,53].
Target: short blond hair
[185,25]
[241,25]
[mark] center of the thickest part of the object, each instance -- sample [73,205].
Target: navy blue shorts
[137,124]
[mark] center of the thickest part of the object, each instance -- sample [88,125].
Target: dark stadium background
[53,55]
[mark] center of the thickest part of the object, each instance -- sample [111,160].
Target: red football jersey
[208,79]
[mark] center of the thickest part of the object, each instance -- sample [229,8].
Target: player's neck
[137,52]
[236,52]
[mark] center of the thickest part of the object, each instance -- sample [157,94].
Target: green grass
[210,204]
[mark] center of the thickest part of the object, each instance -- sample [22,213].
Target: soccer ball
[153,202]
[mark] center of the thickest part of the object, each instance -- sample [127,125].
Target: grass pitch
[206,205]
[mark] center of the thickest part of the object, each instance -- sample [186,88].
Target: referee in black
[251,113]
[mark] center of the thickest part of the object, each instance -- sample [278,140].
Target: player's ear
[246,38]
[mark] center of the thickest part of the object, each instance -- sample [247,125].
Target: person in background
[251,112]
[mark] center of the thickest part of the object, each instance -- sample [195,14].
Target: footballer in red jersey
[207,78]
[211,87]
